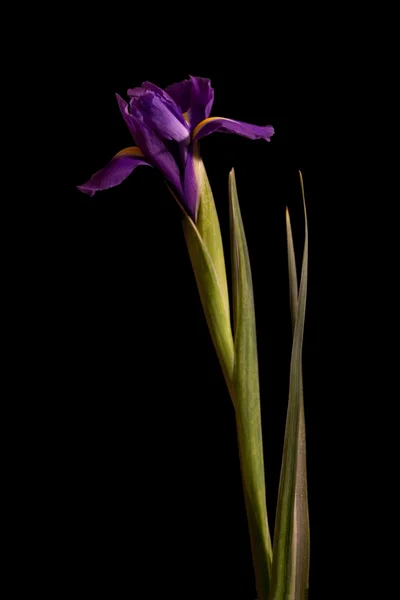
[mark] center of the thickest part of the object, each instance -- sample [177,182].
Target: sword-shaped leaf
[247,399]
[290,567]
[301,528]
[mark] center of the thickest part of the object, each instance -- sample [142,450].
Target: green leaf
[301,528]
[247,400]
[212,299]
[290,567]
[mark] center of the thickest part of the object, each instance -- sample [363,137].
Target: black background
[146,488]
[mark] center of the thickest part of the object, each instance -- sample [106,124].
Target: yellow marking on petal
[131,151]
[202,123]
[186,116]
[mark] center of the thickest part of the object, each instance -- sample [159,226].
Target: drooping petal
[150,144]
[195,97]
[112,174]
[213,124]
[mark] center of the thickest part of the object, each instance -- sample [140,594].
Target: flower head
[166,126]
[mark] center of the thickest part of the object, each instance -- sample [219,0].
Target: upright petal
[151,145]
[124,108]
[157,115]
[213,124]
[195,97]
[112,174]
[202,99]
[181,93]
[191,184]
[170,102]
[136,92]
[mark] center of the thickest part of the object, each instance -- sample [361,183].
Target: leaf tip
[287,218]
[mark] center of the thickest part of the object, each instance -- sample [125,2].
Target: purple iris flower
[166,126]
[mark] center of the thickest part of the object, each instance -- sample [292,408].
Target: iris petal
[194,96]
[191,184]
[213,124]
[150,144]
[158,116]
[112,174]
[136,92]
[181,93]
[166,98]
[159,111]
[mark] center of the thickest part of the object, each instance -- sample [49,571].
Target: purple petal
[166,98]
[195,96]
[124,108]
[254,132]
[150,144]
[190,185]
[181,93]
[136,92]
[156,113]
[160,112]
[112,174]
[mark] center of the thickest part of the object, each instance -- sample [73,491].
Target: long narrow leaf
[247,400]
[301,529]
[291,536]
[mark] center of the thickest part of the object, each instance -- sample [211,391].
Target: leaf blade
[291,537]
[247,399]
[301,538]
